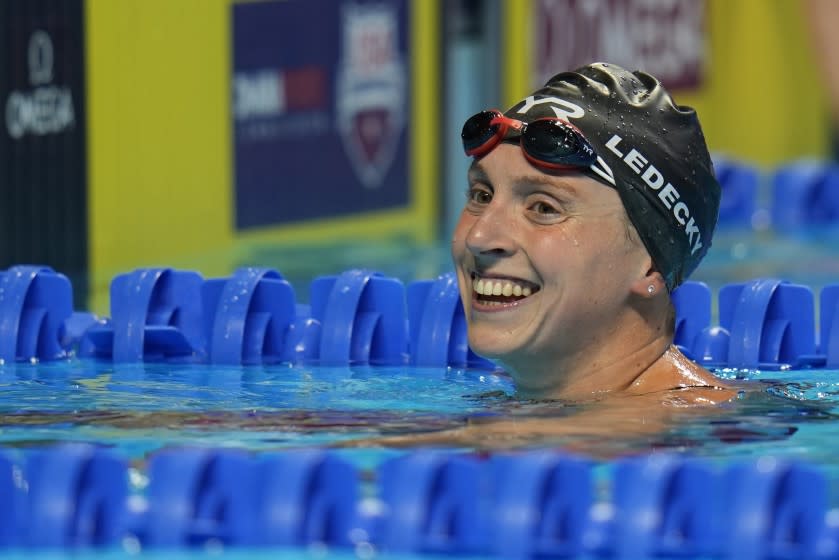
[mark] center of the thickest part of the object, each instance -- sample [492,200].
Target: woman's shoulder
[679,381]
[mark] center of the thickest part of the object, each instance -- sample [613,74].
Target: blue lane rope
[362,317]
[516,505]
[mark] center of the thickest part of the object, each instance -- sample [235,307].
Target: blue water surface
[140,408]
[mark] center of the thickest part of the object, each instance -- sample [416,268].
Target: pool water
[143,407]
[139,409]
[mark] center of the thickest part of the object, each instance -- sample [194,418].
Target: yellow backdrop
[160,162]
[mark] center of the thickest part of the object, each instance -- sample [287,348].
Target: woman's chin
[497,344]
[489,351]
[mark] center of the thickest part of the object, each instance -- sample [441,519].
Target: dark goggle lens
[478,130]
[556,142]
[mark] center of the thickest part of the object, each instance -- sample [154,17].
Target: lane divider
[362,317]
[533,504]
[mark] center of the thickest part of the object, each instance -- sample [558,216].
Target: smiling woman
[588,202]
[562,239]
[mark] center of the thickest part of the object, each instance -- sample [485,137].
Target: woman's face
[544,261]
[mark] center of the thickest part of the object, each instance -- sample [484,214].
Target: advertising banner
[663,37]
[43,215]
[321,113]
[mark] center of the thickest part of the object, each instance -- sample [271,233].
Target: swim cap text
[667,193]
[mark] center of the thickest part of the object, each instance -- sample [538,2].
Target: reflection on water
[141,408]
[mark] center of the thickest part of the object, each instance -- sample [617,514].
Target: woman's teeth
[504,288]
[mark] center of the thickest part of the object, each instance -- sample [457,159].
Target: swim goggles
[547,142]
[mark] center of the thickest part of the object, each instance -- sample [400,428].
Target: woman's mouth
[498,292]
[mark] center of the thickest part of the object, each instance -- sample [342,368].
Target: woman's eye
[543,208]
[480,196]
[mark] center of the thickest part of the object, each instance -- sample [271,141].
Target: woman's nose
[491,233]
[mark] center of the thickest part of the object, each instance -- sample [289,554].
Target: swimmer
[588,202]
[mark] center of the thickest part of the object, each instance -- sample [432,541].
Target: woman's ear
[649,284]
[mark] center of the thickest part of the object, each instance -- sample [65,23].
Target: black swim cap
[649,149]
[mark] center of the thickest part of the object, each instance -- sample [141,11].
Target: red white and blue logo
[320,112]
[370,94]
